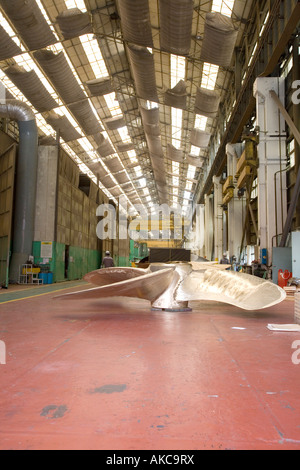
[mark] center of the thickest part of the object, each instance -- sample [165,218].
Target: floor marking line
[37,295]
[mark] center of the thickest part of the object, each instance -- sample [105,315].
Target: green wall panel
[81,261]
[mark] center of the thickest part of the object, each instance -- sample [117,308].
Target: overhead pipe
[26,180]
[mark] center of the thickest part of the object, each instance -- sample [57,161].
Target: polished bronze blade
[148,287]
[241,290]
[104,277]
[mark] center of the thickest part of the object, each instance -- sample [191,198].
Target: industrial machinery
[170,287]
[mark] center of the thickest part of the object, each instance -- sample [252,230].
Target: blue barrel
[50,278]
[44,277]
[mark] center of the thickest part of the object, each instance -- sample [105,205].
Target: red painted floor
[116,376]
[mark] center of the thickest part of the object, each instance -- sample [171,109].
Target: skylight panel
[200,122]
[175,168]
[151,104]
[123,131]
[76,4]
[175,181]
[138,171]
[63,111]
[176,127]
[187,195]
[46,128]
[191,171]
[178,64]
[195,151]
[132,156]
[223,6]
[113,104]
[209,76]
[94,55]
[143,182]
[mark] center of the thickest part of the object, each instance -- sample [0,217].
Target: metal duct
[155,146]
[47,140]
[125,147]
[116,191]
[100,86]
[151,120]
[114,165]
[107,181]
[176,97]
[200,138]
[195,161]
[219,40]
[86,118]
[174,154]
[74,22]
[60,74]
[207,102]
[104,178]
[128,188]
[62,125]
[8,48]
[135,21]
[143,72]
[30,23]
[105,149]
[31,87]
[122,177]
[115,123]
[26,180]
[176,17]
[97,168]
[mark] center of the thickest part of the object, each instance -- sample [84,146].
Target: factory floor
[114,375]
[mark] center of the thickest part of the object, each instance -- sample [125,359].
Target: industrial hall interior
[150,225]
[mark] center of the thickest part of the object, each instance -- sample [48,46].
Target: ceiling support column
[272,190]
[218,218]
[209,227]
[237,205]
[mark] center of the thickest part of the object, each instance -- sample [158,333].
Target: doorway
[67,255]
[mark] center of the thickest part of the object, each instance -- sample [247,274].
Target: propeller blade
[241,290]
[148,287]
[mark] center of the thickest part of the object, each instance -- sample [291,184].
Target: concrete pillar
[272,191]
[237,205]
[218,218]
[45,213]
[209,227]
[200,230]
